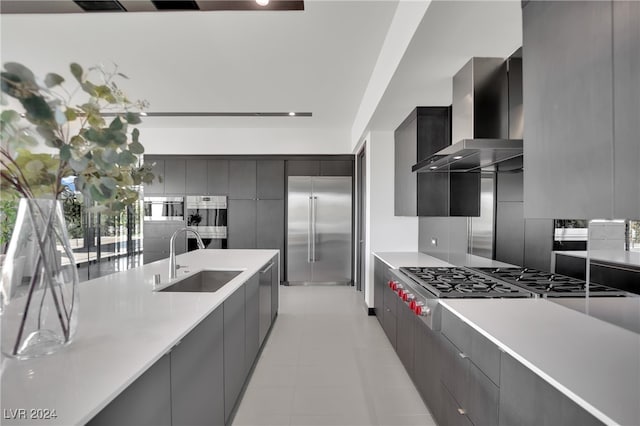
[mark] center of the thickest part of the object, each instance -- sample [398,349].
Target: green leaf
[9,116]
[25,74]
[136,148]
[71,114]
[133,118]
[53,79]
[76,70]
[110,155]
[79,164]
[135,134]
[89,87]
[116,124]
[37,109]
[96,195]
[65,152]
[127,158]
[108,182]
[123,76]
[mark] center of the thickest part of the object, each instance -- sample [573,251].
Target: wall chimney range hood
[487,117]
[471,155]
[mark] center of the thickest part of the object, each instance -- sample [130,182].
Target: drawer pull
[462,411]
[463,355]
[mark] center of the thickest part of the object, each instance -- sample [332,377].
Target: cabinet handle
[462,411]
[265,270]
[463,355]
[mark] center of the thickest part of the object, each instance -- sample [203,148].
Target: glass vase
[39,294]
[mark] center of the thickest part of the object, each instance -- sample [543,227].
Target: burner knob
[408,297]
[400,293]
[390,283]
[412,305]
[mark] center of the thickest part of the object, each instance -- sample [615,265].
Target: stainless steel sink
[203,281]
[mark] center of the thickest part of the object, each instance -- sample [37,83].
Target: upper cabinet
[424,132]
[581,64]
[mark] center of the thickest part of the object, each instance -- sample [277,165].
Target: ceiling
[450,33]
[318,60]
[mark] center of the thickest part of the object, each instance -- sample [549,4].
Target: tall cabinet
[581,65]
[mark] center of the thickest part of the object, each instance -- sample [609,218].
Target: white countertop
[594,363]
[414,258]
[123,328]
[620,257]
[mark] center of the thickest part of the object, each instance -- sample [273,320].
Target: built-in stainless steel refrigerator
[319,216]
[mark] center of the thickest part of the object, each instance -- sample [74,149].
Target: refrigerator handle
[309,230]
[313,246]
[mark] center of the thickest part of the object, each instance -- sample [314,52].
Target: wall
[237,141]
[384,231]
[450,233]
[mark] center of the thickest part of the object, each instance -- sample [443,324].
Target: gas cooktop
[548,284]
[455,282]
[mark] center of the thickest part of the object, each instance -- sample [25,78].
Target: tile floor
[327,363]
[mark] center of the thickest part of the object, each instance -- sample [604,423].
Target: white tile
[262,420]
[403,400]
[262,400]
[329,400]
[343,420]
[403,420]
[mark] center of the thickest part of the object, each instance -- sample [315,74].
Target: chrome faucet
[173,268]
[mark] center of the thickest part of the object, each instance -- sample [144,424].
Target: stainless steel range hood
[471,154]
[487,117]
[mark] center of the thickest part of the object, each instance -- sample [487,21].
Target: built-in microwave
[207,214]
[163,209]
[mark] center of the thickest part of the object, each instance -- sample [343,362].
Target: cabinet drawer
[454,372]
[390,301]
[485,355]
[484,395]
[450,411]
[389,325]
[456,331]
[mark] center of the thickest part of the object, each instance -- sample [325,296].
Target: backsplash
[607,235]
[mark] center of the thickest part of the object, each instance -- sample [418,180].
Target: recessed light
[433,167]
[292,114]
[457,157]
[144,114]
[262,2]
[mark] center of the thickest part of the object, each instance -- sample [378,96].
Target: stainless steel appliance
[422,287]
[207,214]
[163,209]
[546,284]
[319,245]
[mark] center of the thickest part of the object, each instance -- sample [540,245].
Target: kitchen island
[124,329]
[519,361]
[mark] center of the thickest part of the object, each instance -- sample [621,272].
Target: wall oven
[163,209]
[207,214]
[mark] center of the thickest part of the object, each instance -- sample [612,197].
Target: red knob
[405,296]
[418,310]
[400,291]
[390,284]
[412,305]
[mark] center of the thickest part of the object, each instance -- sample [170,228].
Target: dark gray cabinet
[270,180]
[320,167]
[379,268]
[581,162]
[217,177]
[336,167]
[427,367]
[146,402]
[265,278]
[389,316]
[174,177]
[275,289]
[234,349]
[196,176]
[527,399]
[626,108]
[252,321]
[241,224]
[472,364]
[197,374]
[270,226]
[242,179]
[157,186]
[405,336]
